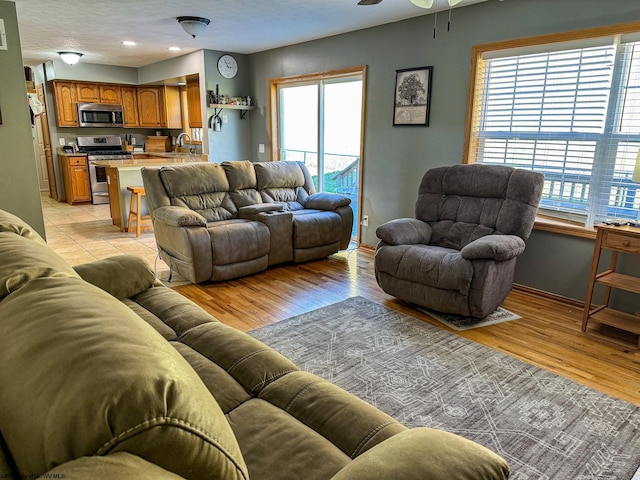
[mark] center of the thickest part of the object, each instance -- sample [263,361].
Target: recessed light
[174,49]
[129,43]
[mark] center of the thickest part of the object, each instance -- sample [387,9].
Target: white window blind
[571,114]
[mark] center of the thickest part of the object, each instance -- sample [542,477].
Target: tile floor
[84,233]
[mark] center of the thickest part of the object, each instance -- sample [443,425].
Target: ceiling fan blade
[423,3]
[369,2]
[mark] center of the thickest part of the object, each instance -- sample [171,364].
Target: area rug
[461,322]
[545,426]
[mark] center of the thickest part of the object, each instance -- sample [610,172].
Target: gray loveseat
[221,221]
[107,374]
[458,255]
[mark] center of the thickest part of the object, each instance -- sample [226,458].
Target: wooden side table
[623,239]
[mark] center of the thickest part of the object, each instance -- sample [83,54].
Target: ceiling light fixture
[70,58]
[174,49]
[194,26]
[128,43]
[429,3]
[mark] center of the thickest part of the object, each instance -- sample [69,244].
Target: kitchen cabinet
[110,94]
[66,104]
[173,114]
[150,107]
[159,107]
[98,93]
[130,106]
[144,107]
[75,174]
[193,102]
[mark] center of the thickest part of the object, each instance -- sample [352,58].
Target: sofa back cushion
[243,184]
[202,187]
[283,182]
[24,259]
[466,202]
[83,375]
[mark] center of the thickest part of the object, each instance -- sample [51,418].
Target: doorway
[319,121]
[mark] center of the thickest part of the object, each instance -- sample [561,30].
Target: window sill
[554,225]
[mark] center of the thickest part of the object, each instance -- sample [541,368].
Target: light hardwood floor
[548,334]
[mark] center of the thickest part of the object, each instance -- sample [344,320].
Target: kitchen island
[128,173]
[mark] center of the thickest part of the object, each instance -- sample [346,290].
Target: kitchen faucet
[179,141]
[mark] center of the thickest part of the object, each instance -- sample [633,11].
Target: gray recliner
[458,255]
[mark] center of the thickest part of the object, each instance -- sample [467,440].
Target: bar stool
[136,215]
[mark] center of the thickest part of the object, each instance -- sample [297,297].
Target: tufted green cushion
[87,376]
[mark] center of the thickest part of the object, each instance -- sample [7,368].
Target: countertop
[157,160]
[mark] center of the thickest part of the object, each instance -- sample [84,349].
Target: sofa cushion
[313,228]
[430,265]
[202,187]
[24,259]
[235,241]
[122,276]
[95,379]
[242,183]
[282,182]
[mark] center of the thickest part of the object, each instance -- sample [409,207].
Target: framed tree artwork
[412,98]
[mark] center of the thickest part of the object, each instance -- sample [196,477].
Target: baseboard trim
[549,295]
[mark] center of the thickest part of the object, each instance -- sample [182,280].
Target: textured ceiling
[97,28]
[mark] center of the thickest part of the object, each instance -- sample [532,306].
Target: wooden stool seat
[135,214]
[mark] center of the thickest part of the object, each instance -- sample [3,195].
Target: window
[570,110]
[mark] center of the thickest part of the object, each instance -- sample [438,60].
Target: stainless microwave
[100,115]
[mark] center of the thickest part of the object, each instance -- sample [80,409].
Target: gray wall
[233,140]
[19,192]
[396,157]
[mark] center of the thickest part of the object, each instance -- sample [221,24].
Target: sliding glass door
[320,123]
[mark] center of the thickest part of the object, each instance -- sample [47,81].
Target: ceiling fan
[417,3]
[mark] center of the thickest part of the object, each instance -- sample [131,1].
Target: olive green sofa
[218,221]
[107,374]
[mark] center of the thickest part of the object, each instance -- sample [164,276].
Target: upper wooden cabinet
[151,107]
[130,105]
[144,107]
[87,92]
[66,104]
[98,93]
[193,101]
[110,94]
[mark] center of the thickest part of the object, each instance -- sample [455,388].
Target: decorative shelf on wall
[218,107]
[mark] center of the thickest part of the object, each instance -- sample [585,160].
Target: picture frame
[412,97]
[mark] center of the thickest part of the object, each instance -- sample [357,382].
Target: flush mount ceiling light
[193,25]
[70,58]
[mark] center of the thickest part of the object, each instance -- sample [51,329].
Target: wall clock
[227,66]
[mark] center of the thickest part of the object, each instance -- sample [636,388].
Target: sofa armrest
[250,210]
[496,247]
[121,276]
[179,217]
[326,201]
[114,465]
[426,453]
[404,231]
